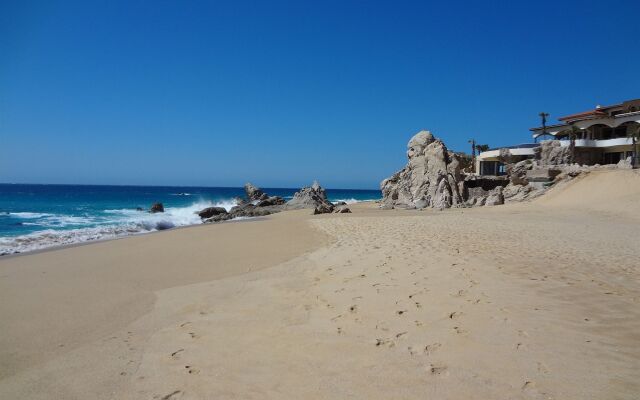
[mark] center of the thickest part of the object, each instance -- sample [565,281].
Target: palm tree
[482,147]
[633,132]
[573,135]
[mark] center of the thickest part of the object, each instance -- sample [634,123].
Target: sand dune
[606,191]
[538,300]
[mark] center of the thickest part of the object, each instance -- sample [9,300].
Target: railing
[598,142]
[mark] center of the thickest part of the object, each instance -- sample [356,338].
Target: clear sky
[281,93]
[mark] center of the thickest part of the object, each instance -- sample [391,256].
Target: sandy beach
[536,300]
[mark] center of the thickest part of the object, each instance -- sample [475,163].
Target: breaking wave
[352,200]
[111,223]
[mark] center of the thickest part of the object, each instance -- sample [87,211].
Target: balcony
[599,142]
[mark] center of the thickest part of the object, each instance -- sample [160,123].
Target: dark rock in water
[254,193]
[218,218]
[342,209]
[310,197]
[162,225]
[211,211]
[240,201]
[271,201]
[139,209]
[157,208]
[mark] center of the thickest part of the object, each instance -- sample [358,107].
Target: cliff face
[431,178]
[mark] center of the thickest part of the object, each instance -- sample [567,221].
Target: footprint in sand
[431,348]
[529,388]
[191,370]
[176,353]
[542,368]
[415,294]
[459,330]
[193,335]
[455,314]
[385,342]
[439,370]
[168,396]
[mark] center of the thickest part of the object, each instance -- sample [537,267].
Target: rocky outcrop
[551,152]
[479,196]
[625,163]
[157,208]
[254,193]
[518,172]
[250,210]
[342,209]
[431,177]
[211,211]
[310,197]
[271,201]
[256,204]
[323,209]
[495,197]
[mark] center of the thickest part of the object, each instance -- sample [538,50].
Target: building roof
[548,127]
[583,115]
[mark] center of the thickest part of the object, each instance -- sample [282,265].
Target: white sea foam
[50,237]
[116,222]
[352,200]
[348,201]
[27,215]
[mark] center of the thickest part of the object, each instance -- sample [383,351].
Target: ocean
[39,216]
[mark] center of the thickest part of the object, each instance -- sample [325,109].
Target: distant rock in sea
[254,193]
[257,204]
[157,208]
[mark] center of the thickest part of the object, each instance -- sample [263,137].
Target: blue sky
[281,93]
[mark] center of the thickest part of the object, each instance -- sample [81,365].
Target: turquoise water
[38,216]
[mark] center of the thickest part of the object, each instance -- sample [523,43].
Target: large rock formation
[551,152]
[431,178]
[310,197]
[517,172]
